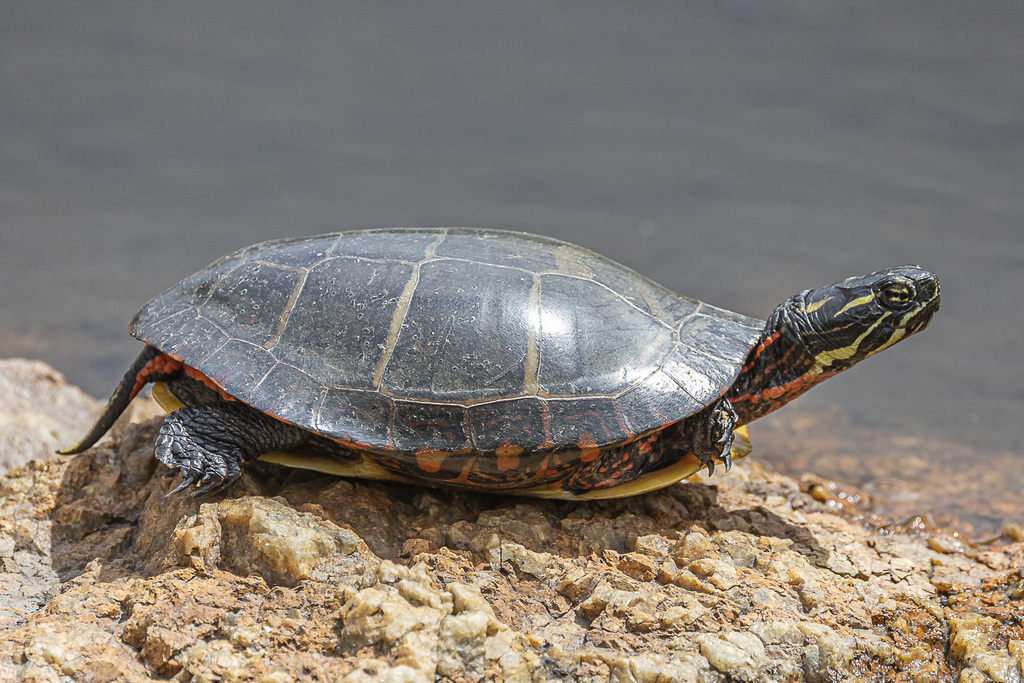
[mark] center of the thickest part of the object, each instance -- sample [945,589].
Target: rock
[654,669]
[39,412]
[103,577]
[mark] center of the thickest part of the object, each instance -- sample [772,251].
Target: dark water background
[738,152]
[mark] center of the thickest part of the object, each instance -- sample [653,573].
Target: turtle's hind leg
[208,443]
[151,366]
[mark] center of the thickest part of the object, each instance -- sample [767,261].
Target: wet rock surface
[750,576]
[898,475]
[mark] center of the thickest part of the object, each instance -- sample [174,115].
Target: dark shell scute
[591,341]
[714,332]
[516,422]
[500,249]
[291,392]
[410,246]
[362,417]
[184,333]
[249,304]
[293,255]
[588,421]
[429,426]
[460,341]
[338,332]
[656,401]
[633,288]
[240,365]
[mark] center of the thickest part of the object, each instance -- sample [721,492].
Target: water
[736,152]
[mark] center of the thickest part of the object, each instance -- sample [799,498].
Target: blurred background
[737,152]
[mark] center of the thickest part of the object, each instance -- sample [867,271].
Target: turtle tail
[152,365]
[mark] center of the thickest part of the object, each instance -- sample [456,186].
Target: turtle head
[844,323]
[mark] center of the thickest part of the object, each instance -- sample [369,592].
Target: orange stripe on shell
[430,460]
[588,447]
[507,455]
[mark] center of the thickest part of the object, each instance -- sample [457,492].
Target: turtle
[480,359]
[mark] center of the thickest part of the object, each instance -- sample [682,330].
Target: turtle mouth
[928,310]
[922,321]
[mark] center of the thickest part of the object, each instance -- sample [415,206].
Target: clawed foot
[205,462]
[713,440]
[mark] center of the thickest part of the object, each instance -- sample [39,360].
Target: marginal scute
[594,416]
[692,375]
[710,353]
[181,333]
[437,427]
[517,421]
[293,392]
[239,367]
[719,333]
[656,401]
[353,416]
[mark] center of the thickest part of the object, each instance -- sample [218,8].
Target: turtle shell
[449,340]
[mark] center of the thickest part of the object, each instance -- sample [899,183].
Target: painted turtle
[480,359]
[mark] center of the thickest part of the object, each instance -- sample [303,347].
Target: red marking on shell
[492,424]
[430,460]
[416,424]
[507,455]
[588,447]
[548,442]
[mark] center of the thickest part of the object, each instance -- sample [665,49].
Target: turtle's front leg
[208,443]
[713,435]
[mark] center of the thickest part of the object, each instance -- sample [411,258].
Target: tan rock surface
[295,576]
[39,412]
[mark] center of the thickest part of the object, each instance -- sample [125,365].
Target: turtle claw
[207,485]
[204,483]
[185,483]
[713,438]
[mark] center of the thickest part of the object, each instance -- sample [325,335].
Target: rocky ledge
[750,576]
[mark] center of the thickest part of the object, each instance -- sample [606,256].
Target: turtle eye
[898,294]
